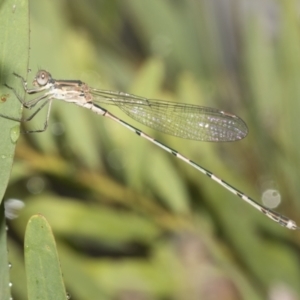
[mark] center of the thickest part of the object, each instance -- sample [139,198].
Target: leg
[30,103]
[47,117]
[22,120]
[24,82]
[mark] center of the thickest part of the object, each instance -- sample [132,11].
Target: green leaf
[14,37]
[44,277]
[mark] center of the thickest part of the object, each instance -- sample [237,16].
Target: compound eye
[42,78]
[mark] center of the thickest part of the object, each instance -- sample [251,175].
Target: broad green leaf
[44,277]
[14,37]
[14,30]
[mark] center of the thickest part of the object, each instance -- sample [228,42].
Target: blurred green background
[133,222]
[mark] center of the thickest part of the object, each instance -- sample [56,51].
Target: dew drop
[271,198]
[10,284]
[12,208]
[35,185]
[15,133]
[9,265]
[68,296]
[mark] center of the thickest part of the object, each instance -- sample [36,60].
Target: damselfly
[181,120]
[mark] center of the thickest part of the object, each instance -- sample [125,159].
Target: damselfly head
[42,78]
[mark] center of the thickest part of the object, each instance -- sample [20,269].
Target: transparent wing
[181,120]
